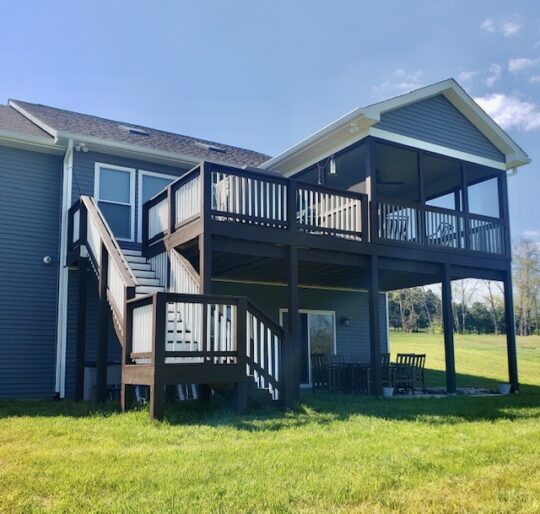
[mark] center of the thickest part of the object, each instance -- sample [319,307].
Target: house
[194,262]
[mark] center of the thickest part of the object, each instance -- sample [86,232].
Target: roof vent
[212,148]
[135,130]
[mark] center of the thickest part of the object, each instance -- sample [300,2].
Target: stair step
[148,290]
[143,281]
[139,273]
[136,258]
[139,266]
[135,253]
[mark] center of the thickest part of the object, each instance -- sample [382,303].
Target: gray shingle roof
[12,121]
[110,130]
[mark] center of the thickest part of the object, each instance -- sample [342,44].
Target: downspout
[63,277]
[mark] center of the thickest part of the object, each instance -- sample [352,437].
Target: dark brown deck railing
[254,198]
[412,223]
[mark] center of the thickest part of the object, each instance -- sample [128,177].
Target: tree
[463,292]
[527,284]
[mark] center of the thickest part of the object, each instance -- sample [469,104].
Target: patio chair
[445,235]
[395,227]
[410,371]
[319,371]
[386,370]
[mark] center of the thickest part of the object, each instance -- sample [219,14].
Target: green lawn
[334,453]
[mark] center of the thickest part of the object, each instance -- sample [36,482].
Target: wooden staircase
[169,332]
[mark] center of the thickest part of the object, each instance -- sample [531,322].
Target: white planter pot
[387,392]
[504,388]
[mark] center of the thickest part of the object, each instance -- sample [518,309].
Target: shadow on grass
[321,408]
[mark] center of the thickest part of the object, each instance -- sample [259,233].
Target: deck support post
[291,350]
[157,387]
[81,330]
[448,326]
[103,330]
[205,274]
[510,323]
[240,388]
[374,326]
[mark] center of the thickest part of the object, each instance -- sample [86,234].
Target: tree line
[478,305]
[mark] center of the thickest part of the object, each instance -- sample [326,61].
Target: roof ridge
[137,125]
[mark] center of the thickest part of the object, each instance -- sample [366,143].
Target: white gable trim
[430,147]
[368,116]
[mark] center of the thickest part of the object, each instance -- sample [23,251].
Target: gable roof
[60,123]
[12,122]
[361,122]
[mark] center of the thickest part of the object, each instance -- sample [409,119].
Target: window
[150,184]
[483,191]
[115,193]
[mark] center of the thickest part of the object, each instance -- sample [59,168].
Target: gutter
[63,275]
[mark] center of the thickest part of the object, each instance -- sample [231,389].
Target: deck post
[103,330]
[448,326]
[240,389]
[157,387]
[205,274]
[510,332]
[81,330]
[291,364]
[374,326]
[127,392]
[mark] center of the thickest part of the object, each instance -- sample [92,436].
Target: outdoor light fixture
[345,322]
[333,169]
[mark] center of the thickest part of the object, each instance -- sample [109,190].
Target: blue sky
[265,74]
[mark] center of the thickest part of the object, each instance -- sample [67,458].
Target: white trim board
[438,149]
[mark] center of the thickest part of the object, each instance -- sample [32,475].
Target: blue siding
[353,339]
[437,121]
[30,199]
[84,170]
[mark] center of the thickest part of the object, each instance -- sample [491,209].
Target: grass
[332,454]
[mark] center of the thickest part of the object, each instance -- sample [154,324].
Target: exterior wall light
[47,260]
[346,322]
[333,168]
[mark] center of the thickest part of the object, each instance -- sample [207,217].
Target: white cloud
[535,79]
[510,112]
[531,234]
[521,63]
[495,74]
[488,25]
[465,76]
[507,27]
[402,81]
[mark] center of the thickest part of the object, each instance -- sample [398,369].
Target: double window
[115,193]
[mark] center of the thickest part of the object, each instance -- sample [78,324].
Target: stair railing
[264,350]
[183,277]
[88,227]
[223,332]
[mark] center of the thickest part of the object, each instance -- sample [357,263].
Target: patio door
[317,335]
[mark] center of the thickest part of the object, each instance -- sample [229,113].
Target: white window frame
[139,195]
[284,310]
[132,173]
